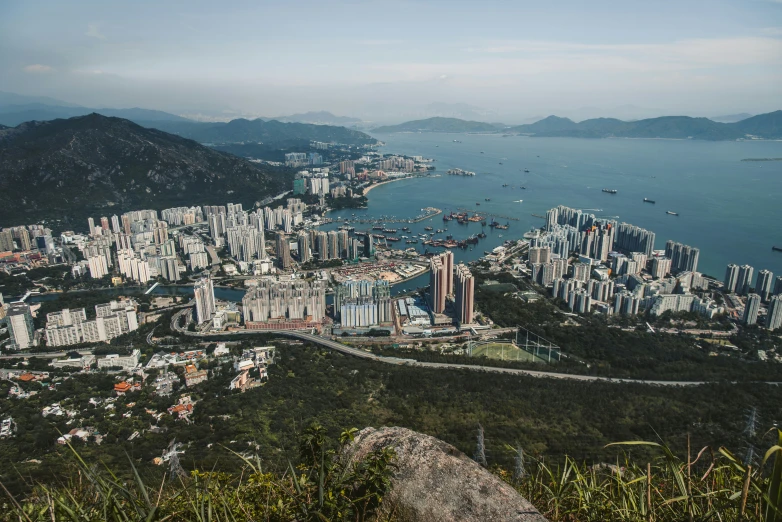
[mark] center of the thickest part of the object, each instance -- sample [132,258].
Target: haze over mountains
[764,126]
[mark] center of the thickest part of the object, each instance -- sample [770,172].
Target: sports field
[506,352]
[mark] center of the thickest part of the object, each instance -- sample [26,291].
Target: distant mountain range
[67,169]
[731,118]
[317,118]
[271,132]
[16,109]
[438,124]
[13,115]
[765,126]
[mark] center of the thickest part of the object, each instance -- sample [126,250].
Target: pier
[482,213]
[429,212]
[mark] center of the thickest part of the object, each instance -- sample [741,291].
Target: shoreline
[369,188]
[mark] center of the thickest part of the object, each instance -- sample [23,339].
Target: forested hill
[271,132]
[68,169]
[439,125]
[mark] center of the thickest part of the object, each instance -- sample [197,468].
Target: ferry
[672,213]
[428,228]
[411,241]
[647,200]
[390,230]
[378,227]
[610,191]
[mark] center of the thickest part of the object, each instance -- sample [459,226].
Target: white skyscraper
[751,310]
[774,318]
[205,299]
[764,284]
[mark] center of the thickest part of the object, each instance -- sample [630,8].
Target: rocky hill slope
[435,482]
[65,170]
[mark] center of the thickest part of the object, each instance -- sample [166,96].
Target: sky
[389,61]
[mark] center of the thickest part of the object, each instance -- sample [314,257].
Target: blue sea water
[730,209]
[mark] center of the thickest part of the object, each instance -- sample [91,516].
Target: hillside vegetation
[711,484]
[68,169]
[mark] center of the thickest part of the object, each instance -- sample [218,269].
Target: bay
[730,209]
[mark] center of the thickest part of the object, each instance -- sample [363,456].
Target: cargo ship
[610,191]
[392,239]
[378,227]
[647,200]
[390,230]
[671,212]
[776,248]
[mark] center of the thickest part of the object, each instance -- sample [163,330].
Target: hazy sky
[390,59]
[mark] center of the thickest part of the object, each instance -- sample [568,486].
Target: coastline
[369,188]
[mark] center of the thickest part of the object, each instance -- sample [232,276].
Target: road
[339,347]
[45,355]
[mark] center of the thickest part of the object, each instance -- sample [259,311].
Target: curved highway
[339,347]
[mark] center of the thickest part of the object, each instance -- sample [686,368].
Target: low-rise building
[126,362]
[194,376]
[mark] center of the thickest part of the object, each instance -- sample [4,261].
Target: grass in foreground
[713,486]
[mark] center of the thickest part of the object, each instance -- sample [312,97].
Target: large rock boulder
[435,482]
